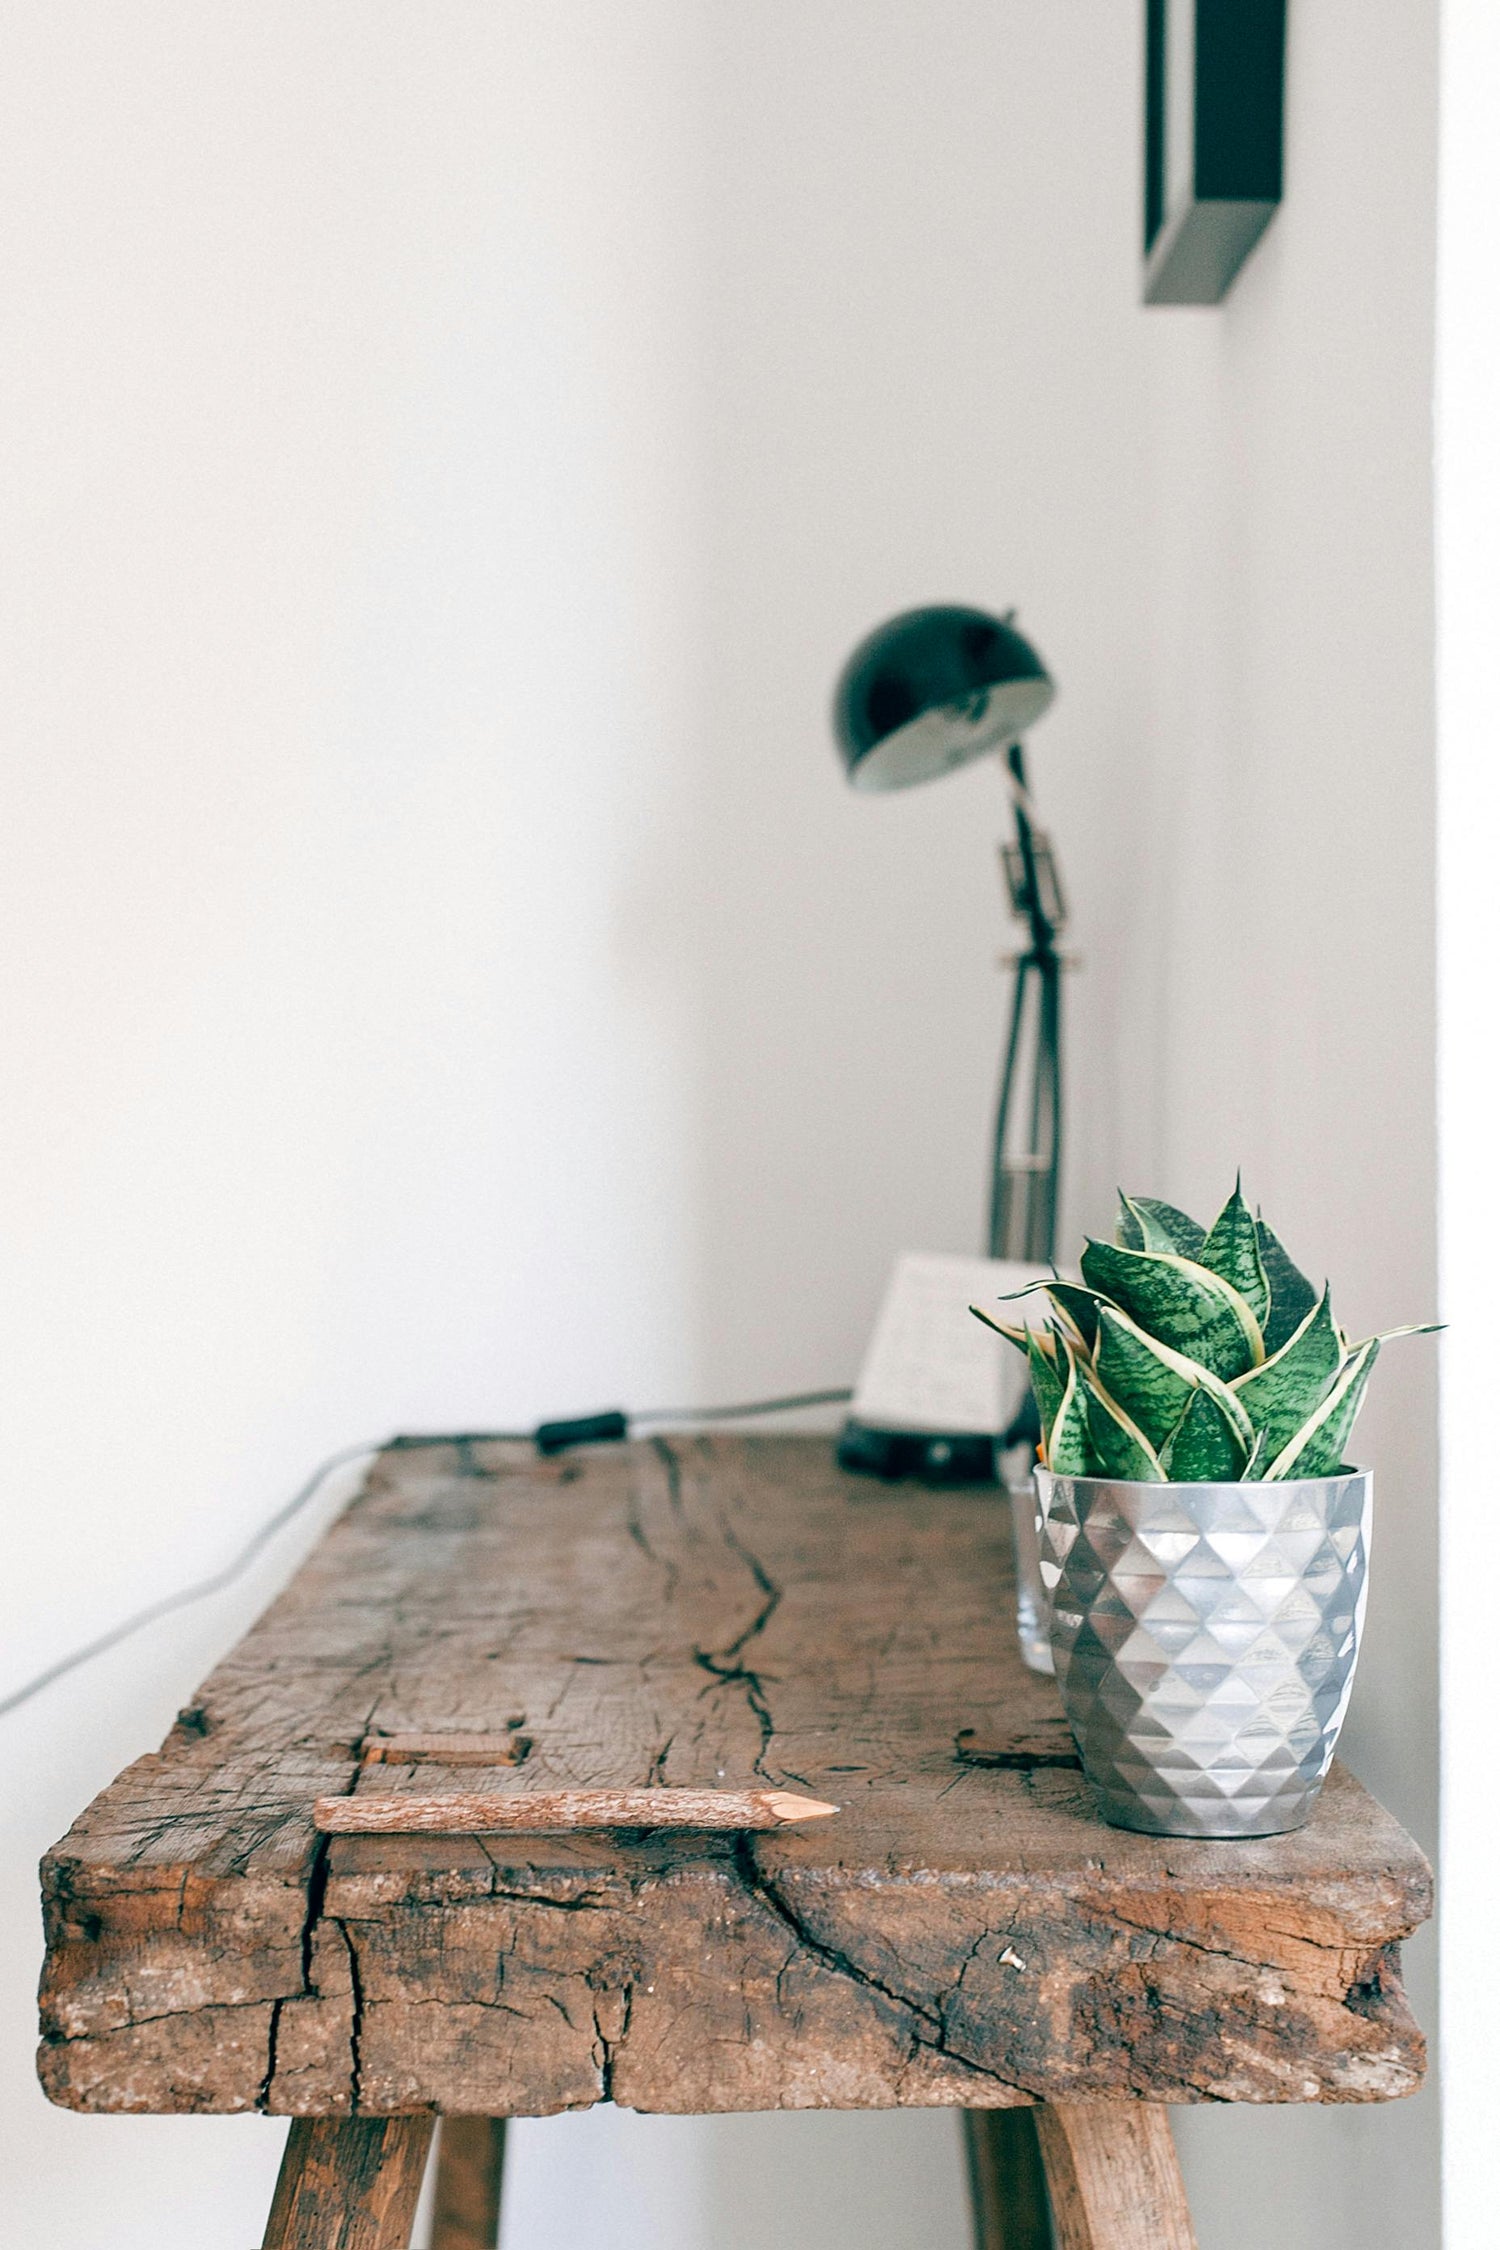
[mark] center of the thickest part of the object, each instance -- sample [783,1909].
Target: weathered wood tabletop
[707,1611]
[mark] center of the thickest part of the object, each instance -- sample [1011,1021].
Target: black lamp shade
[931,689]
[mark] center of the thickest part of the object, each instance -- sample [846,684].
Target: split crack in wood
[723,1663]
[935,2036]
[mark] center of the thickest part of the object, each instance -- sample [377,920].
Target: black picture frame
[1215,96]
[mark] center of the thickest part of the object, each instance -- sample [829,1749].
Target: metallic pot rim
[1206,1485]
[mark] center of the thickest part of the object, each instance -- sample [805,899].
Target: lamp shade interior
[931,689]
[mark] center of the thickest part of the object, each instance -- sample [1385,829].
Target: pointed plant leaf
[1163,1227]
[1129,1233]
[1132,1368]
[1281,1394]
[1292,1294]
[1153,1383]
[1047,1342]
[1118,1445]
[1203,1449]
[1013,1333]
[1046,1382]
[1185,1305]
[1077,1306]
[1069,1451]
[1231,1249]
[1063,1345]
[1317,1450]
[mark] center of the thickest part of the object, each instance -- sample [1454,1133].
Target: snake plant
[1192,1354]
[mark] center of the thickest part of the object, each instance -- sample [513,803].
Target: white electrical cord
[299,1500]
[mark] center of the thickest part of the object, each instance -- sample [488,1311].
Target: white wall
[447,454]
[1468,486]
[1281,976]
[927,381]
[351,438]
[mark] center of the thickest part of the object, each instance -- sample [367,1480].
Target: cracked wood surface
[695,1612]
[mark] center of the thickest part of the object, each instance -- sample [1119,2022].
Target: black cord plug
[584,1429]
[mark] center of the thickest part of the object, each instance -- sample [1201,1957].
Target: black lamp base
[918,1456]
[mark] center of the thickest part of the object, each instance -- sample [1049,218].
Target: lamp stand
[1027,1161]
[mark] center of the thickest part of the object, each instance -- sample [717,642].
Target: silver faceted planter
[1205,1637]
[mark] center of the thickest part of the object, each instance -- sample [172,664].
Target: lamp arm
[1043,933]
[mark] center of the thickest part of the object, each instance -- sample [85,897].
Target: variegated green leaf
[1231,1249]
[1162,1226]
[1120,1447]
[1078,1308]
[1282,1393]
[1292,1294]
[1069,1450]
[1012,1332]
[1153,1383]
[1204,1448]
[1328,1430]
[1152,1388]
[1317,1449]
[1186,1306]
[1129,1233]
[1044,1360]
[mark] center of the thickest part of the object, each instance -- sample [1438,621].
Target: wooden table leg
[1113,2178]
[349,2183]
[470,2160]
[1007,2188]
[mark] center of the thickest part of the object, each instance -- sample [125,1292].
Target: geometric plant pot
[1205,1637]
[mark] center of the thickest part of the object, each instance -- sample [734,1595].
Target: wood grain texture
[1113,2178]
[349,2184]
[696,1612]
[470,2171]
[1007,2185]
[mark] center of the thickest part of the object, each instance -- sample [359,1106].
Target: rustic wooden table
[706,1610]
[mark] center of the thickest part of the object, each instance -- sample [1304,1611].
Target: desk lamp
[926,692]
